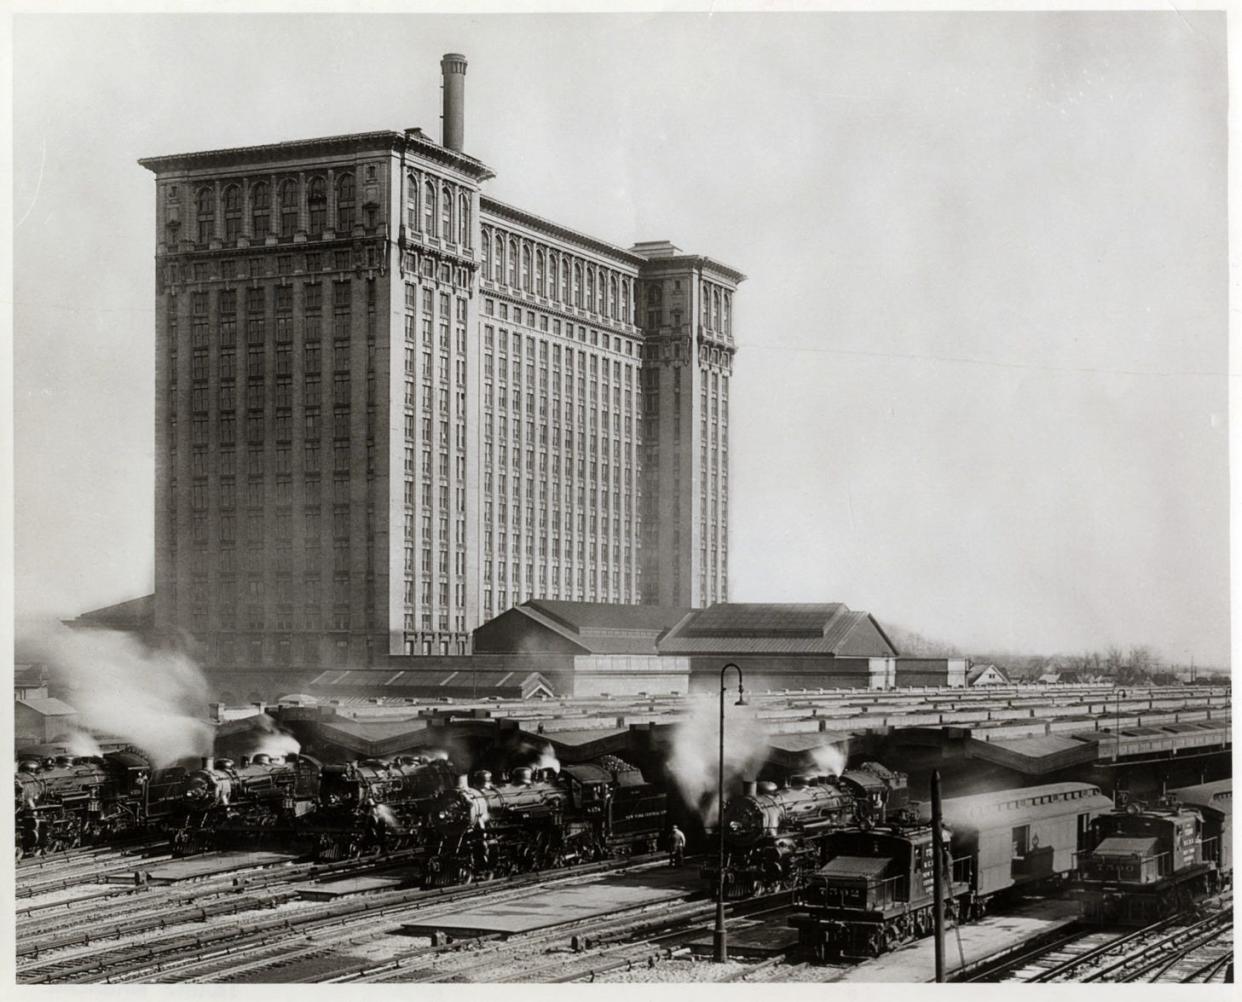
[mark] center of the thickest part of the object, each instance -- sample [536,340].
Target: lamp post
[718,936]
[1117,724]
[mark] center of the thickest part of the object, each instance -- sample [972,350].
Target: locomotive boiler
[774,837]
[539,818]
[375,805]
[226,803]
[65,801]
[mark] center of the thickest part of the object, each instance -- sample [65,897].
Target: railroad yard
[141,909]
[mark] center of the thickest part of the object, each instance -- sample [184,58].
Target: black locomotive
[226,804]
[775,838]
[375,805]
[1146,863]
[540,818]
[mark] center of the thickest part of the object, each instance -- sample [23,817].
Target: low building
[41,719]
[30,681]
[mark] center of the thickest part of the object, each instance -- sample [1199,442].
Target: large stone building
[389,407]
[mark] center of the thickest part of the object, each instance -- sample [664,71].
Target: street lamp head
[741,700]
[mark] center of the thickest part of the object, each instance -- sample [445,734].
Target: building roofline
[322,145]
[513,213]
[679,262]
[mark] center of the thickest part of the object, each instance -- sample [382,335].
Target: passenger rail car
[774,838]
[876,889]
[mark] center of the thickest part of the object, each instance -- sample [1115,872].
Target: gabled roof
[48,706]
[770,628]
[584,627]
[978,670]
[135,614]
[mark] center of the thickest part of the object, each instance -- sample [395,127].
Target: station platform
[207,865]
[916,962]
[594,896]
[388,880]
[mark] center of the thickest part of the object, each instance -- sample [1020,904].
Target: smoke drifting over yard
[694,762]
[156,700]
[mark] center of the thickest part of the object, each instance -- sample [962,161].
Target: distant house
[1051,678]
[29,681]
[987,674]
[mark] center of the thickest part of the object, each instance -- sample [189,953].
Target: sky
[981,386]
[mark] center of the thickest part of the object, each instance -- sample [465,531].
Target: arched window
[565,282]
[463,221]
[612,297]
[206,206]
[526,268]
[288,207]
[716,310]
[345,202]
[260,210]
[487,254]
[625,301]
[727,310]
[411,201]
[232,213]
[446,208]
[590,289]
[429,208]
[539,273]
[498,260]
[513,264]
[317,204]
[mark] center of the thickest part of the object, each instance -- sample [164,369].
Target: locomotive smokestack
[462,782]
[453,71]
[749,788]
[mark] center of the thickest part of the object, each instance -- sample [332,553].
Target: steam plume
[548,760]
[829,760]
[155,700]
[81,743]
[271,740]
[696,747]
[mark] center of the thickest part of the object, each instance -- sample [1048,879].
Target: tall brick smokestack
[453,68]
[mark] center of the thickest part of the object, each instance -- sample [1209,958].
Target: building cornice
[412,140]
[502,213]
[697,262]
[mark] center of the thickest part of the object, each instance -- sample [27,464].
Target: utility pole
[937,875]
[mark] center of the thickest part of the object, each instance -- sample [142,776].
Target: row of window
[436,208]
[231,210]
[557,275]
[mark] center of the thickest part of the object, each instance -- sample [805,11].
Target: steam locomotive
[1147,862]
[876,889]
[225,804]
[775,838]
[66,800]
[374,805]
[540,818]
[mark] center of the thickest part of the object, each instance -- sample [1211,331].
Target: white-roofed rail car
[876,889]
[1145,863]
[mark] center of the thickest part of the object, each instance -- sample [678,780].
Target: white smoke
[385,814]
[829,760]
[548,760]
[82,744]
[436,753]
[155,700]
[271,740]
[694,762]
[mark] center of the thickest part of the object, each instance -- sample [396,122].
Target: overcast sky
[981,386]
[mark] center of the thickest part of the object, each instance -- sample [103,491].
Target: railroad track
[1130,957]
[224,946]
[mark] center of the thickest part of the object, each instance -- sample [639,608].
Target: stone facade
[389,407]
